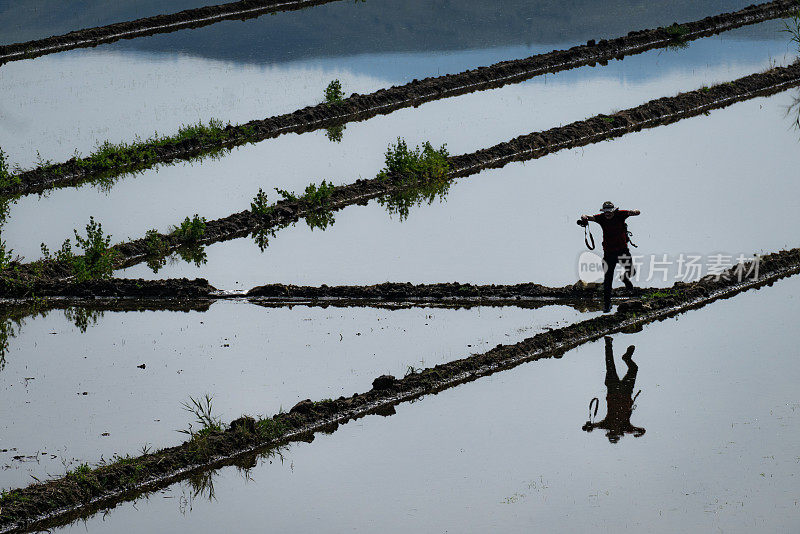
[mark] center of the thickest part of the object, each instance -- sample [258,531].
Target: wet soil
[190,18]
[61,500]
[652,114]
[400,292]
[117,288]
[385,101]
[394,292]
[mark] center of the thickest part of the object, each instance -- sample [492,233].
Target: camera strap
[587,235]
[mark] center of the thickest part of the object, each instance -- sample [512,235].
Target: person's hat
[608,206]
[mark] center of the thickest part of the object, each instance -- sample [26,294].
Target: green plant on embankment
[191,230]
[202,409]
[422,174]
[6,255]
[333,97]
[260,205]
[415,166]
[97,260]
[333,93]
[315,201]
[111,159]
[677,33]
[108,155]
[157,250]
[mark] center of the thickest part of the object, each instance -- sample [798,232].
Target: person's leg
[627,269]
[608,280]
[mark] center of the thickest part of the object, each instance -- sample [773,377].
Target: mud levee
[190,18]
[403,292]
[18,310]
[89,292]
[60,500]
[385,101]
[114,288]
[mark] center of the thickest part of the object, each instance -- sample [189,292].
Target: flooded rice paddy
[698,414]
[718,405]
[162,197]
[488,226]
[74,387]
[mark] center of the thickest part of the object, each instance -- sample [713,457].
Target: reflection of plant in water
[321,219]
[793,111]
[195,254]
[156,250]
[400,202]
[11,322]
[261,237]
[83,318]
[6,331]
[335,133]
[202,483]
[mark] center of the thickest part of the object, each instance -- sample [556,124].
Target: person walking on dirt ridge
[615,245]
[619,398]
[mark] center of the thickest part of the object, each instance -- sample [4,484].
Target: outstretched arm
[587,217]
[633,213]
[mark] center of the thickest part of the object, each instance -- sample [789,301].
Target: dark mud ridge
[190,18]
[655,113]
[44,505]
[113,288]
[199,288]
[400,292]
[385,101]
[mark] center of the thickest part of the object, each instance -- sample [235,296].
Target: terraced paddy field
[314,266]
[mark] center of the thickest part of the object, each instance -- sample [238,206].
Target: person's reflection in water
[619,398]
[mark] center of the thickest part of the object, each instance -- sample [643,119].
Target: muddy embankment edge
[65,499]
[384,101]
[200,289]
